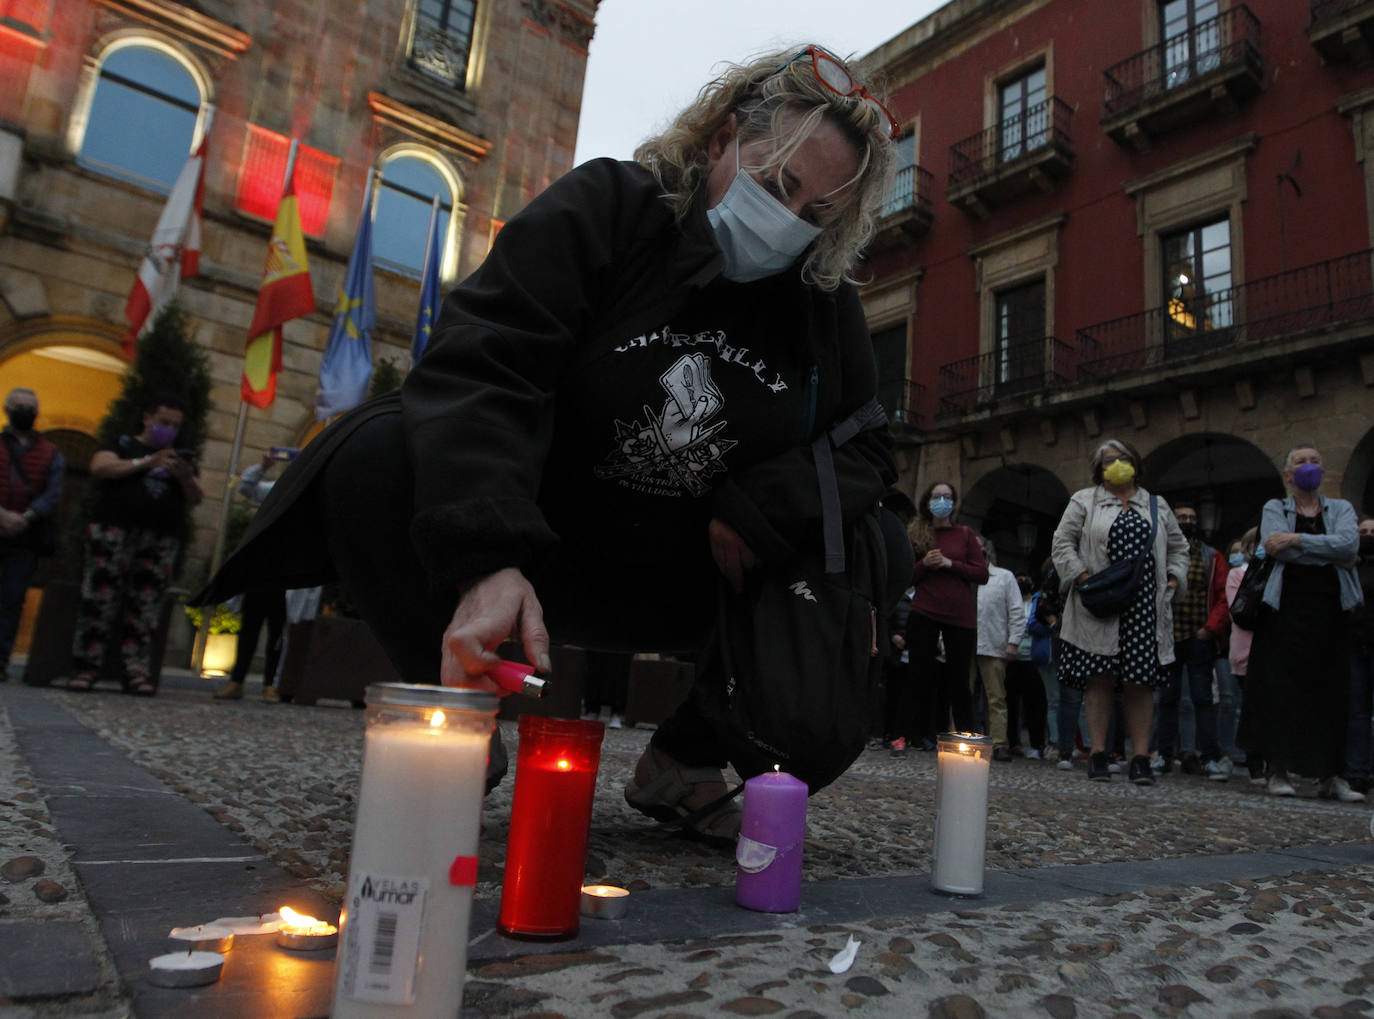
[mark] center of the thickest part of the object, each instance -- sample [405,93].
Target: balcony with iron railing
[1342,31]
[1195,75]
[1020,368]
[907,211]
[1020,155]
[1307,301]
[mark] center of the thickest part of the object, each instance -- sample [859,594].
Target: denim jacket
[1338,547]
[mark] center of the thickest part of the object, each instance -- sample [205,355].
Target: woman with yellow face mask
[1108,523]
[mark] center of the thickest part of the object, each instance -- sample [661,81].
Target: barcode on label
[380,945]
[383,944]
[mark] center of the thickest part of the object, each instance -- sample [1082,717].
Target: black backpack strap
[870,415]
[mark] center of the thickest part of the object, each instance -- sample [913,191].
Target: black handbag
[1107,592]
[1245,606]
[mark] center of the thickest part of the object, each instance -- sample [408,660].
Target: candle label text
[380,953]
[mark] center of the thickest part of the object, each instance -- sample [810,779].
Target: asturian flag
[174,251]
[285,294]
[429,291]
[347,366]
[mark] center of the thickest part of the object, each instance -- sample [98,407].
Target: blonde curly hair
[779,97]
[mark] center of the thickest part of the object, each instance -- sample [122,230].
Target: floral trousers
[126,574]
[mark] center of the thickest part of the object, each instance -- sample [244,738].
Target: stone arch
[1357,480]
[75,365]
[1011,503]
[1228,478]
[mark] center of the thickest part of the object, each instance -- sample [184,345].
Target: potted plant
[221,641]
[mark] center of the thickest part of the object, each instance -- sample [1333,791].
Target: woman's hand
[1280,540]
[936,560]
[730,552]
[490,611]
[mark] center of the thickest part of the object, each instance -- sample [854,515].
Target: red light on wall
[261,179]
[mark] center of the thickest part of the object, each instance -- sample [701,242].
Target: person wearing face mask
[1108,523]
[616,409]
[942,630]
[1357,753]
[1297,687]
[142,489]
[1201,624]
[31,474]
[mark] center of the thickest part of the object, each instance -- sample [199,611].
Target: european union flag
[347,366]
[429,288]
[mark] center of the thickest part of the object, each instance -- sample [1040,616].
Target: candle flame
[563,764]
[605,891]
[963,748]
[436,719]
[777,769]
[299,923]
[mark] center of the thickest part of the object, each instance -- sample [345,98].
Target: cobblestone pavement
[1289,944]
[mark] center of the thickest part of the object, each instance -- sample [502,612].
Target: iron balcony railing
[985,153]
[902,399]
[910,190]
[1014,369]
[1324,9]
[1231,38]
[1323,294]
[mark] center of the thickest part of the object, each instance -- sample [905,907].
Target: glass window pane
[399,230]
[138,135]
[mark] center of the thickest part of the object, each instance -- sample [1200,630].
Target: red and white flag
[173,253]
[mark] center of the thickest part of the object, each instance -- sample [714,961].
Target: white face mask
[757,234]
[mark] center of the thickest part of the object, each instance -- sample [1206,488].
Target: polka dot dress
[1137,660]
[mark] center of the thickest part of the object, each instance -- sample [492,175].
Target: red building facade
[1147,220]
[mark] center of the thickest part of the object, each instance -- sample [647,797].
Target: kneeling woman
[616,408]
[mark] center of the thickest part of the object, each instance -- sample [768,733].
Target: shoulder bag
[1107,592]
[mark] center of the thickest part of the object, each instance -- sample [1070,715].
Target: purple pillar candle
[769,851]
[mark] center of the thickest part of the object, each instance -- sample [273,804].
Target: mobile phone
[283,453]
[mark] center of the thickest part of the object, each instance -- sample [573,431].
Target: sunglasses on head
[831,73]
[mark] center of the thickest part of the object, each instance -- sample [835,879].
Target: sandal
[80,684]
[716,823]
[142,689]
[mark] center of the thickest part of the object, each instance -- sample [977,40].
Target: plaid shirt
[1190,611]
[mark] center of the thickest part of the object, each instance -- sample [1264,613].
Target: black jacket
[595,393]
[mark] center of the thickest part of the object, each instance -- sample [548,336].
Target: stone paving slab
[46,958]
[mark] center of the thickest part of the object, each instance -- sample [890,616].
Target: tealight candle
[769,851]
[185,969]
[304,933]
[204,937]
[962,762]
[605,902]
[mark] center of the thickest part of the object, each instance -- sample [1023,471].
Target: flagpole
[226,504]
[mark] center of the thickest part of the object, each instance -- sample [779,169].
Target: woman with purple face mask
[142,488]
[1296,690]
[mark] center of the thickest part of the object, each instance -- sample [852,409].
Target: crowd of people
[1082,680]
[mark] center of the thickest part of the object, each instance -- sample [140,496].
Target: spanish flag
[285,294]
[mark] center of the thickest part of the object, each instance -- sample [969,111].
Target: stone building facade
[475,101]
[1148,220]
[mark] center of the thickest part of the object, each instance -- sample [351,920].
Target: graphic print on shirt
[677,448]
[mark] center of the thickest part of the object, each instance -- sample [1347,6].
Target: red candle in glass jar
[550,816]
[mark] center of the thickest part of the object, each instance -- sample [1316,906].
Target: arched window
[142,116]
[401,223]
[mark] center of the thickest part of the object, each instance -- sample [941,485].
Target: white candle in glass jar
[961,813]
[404,928]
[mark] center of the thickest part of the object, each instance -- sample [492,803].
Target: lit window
[142,117]
[1197,277]
[263,176]
[441,39]
[400,226]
